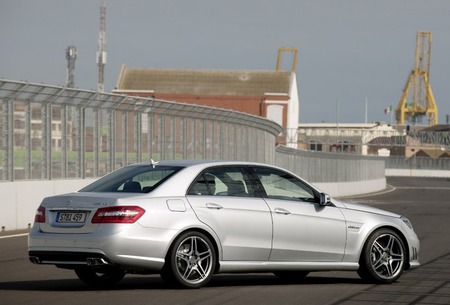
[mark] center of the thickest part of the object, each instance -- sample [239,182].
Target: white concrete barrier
[342,189]
[19,200]
[398,172]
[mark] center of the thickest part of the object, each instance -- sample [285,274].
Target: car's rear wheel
[291,276]
[190,261]
[94,277]
[383,257]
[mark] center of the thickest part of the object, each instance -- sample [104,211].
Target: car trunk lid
[72,213]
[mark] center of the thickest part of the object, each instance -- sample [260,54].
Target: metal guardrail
[415,162]
[359,137]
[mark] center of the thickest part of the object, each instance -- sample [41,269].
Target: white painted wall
[393,172]
[293,113]
[275,113]
[19,200]
[342,189]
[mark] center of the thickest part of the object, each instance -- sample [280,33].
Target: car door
[303,230]
[223,198]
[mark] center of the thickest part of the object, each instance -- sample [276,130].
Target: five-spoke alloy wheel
[191,260]
[383,257]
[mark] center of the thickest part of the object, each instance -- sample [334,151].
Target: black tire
[97,278]
[383,257]
[191,261]
[291,276]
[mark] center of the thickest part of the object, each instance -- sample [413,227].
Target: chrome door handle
[282,211]
[214,206]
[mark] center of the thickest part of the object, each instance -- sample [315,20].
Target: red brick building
[270,94]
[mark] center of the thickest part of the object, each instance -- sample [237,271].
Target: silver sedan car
[188,220]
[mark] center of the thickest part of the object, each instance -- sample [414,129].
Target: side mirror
[324,199]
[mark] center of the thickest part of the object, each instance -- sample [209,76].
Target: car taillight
[120,214]
[40,214]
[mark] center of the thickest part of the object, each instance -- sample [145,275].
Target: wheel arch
[208,234]
[399,233]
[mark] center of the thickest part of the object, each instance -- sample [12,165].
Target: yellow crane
[294,52]
[422,102]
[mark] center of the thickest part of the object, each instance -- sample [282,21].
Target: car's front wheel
[383,257]
[95,278]
[191,261]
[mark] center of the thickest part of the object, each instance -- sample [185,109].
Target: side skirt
[238,266]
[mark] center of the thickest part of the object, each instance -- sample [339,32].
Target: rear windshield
[133,179]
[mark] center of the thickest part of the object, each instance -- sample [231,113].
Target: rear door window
[223,181]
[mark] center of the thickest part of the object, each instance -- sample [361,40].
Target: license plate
[71,217]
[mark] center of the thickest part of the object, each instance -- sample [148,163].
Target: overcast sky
[349,50]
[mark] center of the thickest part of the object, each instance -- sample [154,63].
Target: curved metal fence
[51,132]
[323,167]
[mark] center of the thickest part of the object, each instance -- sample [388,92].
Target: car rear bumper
[145,249]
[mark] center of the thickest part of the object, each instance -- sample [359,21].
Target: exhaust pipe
[96,261]
[34,259]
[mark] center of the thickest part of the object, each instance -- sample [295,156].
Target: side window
[223,181]
[133,179]
[280,185]
[204,185]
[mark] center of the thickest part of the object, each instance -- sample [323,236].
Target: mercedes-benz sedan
[188,220]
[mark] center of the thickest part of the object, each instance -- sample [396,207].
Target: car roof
[189,163]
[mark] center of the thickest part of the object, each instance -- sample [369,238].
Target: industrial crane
[422,102]
[294,52]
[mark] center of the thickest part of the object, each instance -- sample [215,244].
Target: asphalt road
[425,201]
